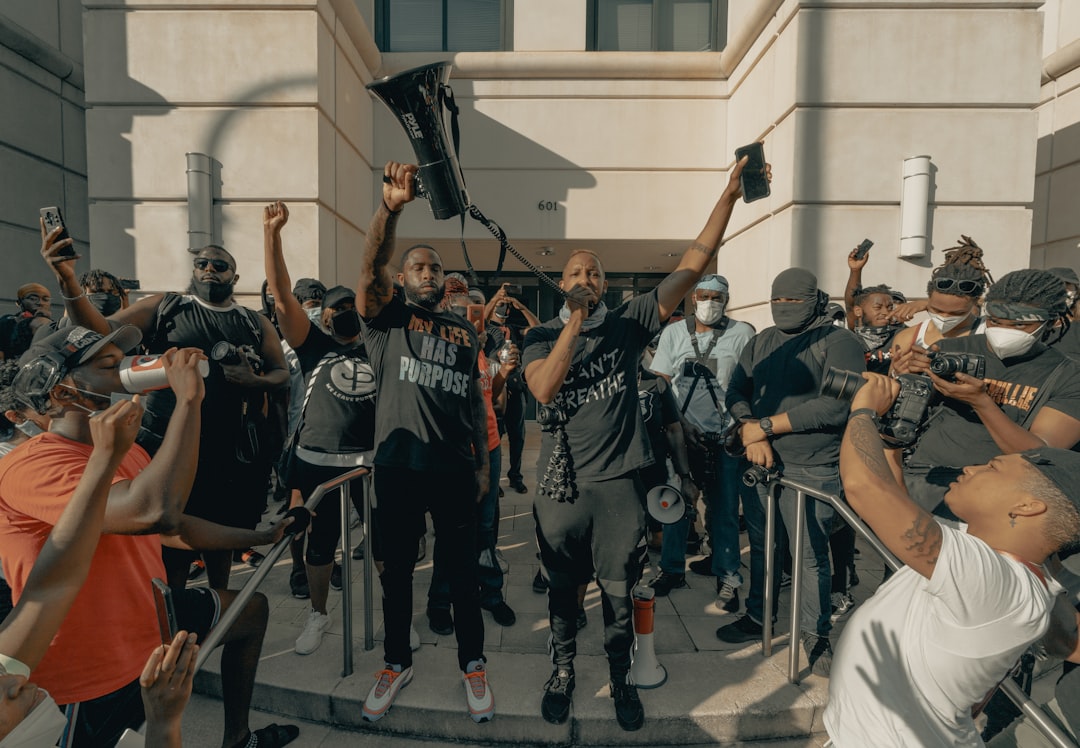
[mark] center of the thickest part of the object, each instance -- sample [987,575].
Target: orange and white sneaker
[477,692]
[380,698]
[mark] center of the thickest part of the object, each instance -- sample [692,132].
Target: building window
[440,25]
[657,25]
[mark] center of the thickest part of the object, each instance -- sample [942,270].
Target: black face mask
[793,316]
[106,303]
[211,291]
[346,323]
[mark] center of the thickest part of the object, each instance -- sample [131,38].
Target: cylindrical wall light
[915,207]
[200,189]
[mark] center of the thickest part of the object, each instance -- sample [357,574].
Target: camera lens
[840,383]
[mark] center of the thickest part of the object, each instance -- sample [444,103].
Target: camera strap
[702,358]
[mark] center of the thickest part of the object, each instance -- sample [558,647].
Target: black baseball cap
[336,295]
[309,289]
[51,357]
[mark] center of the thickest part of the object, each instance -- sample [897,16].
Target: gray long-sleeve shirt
[782,373]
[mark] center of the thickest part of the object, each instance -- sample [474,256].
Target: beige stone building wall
[631,149]
[1056,223]
[42,134]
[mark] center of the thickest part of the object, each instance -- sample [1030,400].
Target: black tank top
[194,324]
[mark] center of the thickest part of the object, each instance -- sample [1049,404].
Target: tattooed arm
[480,436]
[872,489]
[375,287]
[700,257]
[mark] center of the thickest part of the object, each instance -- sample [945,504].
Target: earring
[1012,519]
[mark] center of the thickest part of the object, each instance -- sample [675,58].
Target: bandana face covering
[792,316]
[213,292]
[876,337]
[592,321]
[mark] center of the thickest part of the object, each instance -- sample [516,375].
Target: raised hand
[399,185]
[166,684]
[275,216]
[52,251]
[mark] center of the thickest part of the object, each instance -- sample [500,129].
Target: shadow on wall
[1055,220]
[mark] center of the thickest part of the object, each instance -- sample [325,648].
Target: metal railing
[1031,710]
[343,481]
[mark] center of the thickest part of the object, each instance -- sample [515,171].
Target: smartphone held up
[53,218]
[754,181]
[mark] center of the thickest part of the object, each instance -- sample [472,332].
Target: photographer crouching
[1026,395]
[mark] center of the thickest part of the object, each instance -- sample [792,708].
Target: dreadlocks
[963,265]
[862,294]
[1030,293]
[94,281]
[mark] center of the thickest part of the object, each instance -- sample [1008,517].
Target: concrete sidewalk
[715,692]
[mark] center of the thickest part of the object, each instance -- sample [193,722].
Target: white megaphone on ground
[666,504]
[645,671]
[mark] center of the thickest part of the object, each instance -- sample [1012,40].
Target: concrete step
[739,696]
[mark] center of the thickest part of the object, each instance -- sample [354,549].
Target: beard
[425,299]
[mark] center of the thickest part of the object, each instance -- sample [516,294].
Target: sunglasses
[220,266]
[963,286]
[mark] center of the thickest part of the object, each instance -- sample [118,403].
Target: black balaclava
[795,316]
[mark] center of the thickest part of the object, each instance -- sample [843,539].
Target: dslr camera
[948,365]
[550,417]
[756,474]
[901,425]
[228,354]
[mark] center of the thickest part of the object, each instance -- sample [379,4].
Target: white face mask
[315,315]
[709,312]
[29,428]
[42,726]
[945,324]
[1007,342]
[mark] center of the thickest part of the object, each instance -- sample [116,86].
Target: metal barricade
[1031,710]
[229,617]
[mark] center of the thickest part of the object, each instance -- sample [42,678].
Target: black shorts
[326,523]
[198,609]
[101,721]
[228,492]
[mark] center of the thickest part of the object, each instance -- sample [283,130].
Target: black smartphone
[53,218]
[862,249]
[512,289]
[166,613]
[754,183]
[130,284]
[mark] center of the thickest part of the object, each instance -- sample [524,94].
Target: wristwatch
[766,426]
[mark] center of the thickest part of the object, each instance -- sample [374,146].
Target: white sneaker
[414,638]
[380,698]
[477,693]
[842,604]
[311,637]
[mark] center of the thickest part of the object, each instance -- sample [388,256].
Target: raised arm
[854,281]
[375,287]
[701,255]
[141,314]
[292,320]
[153,501]
[480,448]
[871,488]
[64,560]
[545,376]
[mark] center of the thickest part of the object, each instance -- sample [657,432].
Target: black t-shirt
[197,325]
[1070,344]
[425,363]
[339,416]
[658,408]
[599,395]
[957,438]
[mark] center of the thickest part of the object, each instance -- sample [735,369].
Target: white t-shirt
[675,348]
[917,655]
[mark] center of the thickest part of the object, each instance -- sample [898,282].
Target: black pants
[602,529]
[402,497]
[514,421]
